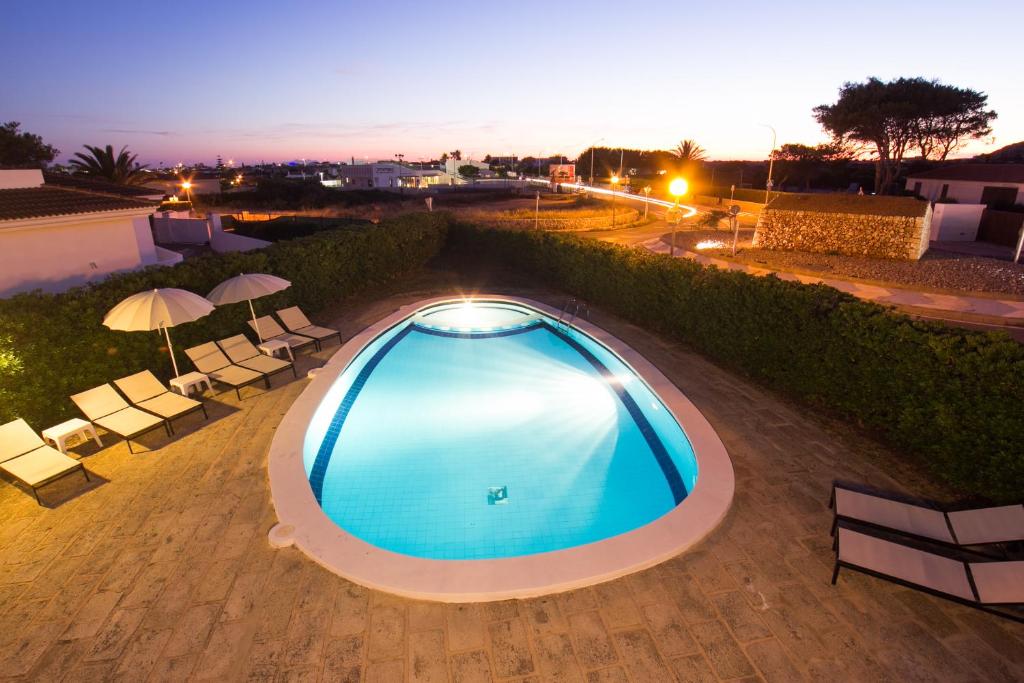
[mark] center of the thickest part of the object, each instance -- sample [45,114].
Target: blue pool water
[487,430]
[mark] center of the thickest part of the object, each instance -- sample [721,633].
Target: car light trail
[688,211]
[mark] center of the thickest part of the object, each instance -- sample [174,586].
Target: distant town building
[385,174]
[54,237]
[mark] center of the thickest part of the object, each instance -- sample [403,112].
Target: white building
[968,199]
[990,184]
[385,174]
[54,237]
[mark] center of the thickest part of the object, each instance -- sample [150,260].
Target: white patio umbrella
[246,287]
[158,309]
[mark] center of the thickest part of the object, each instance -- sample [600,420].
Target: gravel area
[937,269]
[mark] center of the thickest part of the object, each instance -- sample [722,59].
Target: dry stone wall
[875,236]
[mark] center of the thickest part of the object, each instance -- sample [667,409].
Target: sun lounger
[978,527]
[241,352]
[26,457]
[211,361]
[146,392]
[296,321]
[270,329]
[996,587]
[106,408]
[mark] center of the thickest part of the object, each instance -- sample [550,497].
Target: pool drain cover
[497,495]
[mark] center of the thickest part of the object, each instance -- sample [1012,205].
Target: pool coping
[302,522]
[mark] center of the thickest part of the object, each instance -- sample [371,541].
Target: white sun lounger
[146,392]
[296,321]
[269,329]
[104,407]
[211,361]
[982,526]
[241,352]
[26,457]
[988,586]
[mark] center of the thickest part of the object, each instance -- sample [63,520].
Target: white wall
[20,178]
[59,253]
[956,222]
[963,191]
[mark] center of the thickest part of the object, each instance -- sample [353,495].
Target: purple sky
[331,80]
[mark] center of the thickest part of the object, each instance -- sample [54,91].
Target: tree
[951,117]
[457,155]
[102,163]
[688,152]
[469,171]
[803,163]
[889,119]
[23,149]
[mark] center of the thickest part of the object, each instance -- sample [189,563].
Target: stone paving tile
[161,571]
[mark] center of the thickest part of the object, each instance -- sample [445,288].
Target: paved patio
[162,571]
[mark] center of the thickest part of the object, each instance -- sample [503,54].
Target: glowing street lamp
[677,188]
[186,187]
[615,181]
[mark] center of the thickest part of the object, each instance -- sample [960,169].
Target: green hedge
[290,227]
[953,397]
[54,345]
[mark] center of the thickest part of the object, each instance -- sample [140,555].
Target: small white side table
[272,346]
[60,434]
[185,383]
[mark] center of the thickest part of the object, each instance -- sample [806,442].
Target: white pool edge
[303,523]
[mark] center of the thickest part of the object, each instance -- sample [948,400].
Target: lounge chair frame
[169,419]
[236,387]
[991,608]
[49,480]
[298,330]
[290,365]
[283,334]
[981,549]
[128,437]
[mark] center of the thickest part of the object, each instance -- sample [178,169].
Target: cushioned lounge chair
[996,587]
[146,392]
[269,329]
[28,459]
[241,352]
[104,407]
[961,528]
[211,361]
[297,322]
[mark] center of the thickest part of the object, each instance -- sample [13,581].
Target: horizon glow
[285,81]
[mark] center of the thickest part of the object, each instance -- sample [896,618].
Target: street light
[186,185]
[771,163]
[677,188]
[592,151]
[615,181]
[647,198]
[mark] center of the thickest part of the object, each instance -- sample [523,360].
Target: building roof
[101,186]
[869,205]
[981,173]
[48,200]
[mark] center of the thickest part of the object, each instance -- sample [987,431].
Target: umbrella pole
[170,350]
[254,323]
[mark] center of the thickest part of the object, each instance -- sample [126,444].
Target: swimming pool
[490,434]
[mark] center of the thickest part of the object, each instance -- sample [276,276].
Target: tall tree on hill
[101,162]
[890,119]
[21,149]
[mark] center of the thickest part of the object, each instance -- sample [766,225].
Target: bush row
[951,396]
[290,227]
[55,345]
[555,219]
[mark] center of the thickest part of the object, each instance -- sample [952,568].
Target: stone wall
[851,234]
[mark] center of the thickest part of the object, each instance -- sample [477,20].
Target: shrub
[951,396]
[55,345]
[290,227]
[711,219]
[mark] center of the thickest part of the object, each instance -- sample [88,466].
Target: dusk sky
[258,80]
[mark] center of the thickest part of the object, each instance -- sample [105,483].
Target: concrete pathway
[161,569]
[1007,311]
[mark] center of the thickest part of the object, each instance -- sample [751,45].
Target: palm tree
[102,163]
[688,151]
